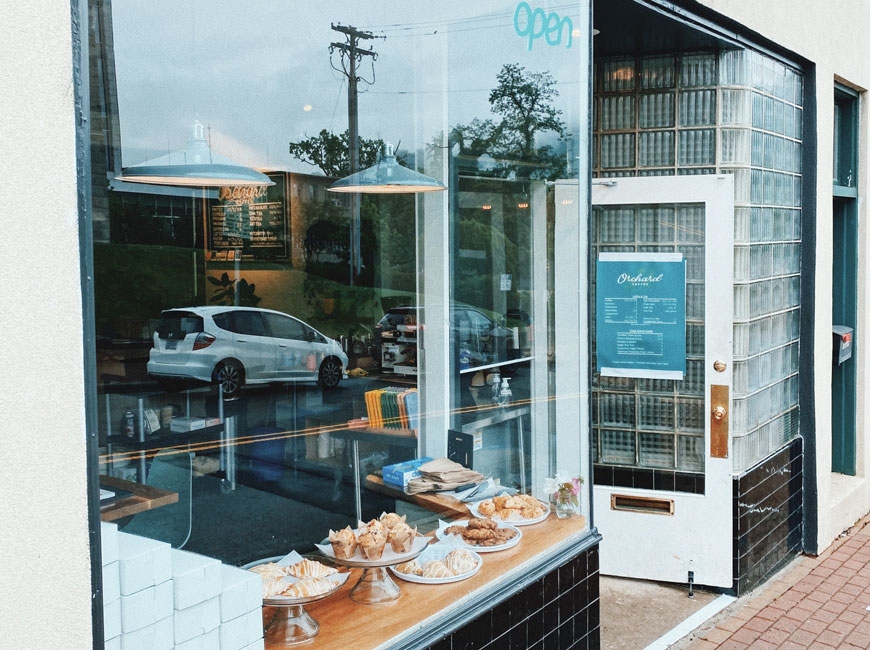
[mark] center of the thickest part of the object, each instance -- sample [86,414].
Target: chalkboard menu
[252,220]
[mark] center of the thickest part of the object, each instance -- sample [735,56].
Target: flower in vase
[562,490]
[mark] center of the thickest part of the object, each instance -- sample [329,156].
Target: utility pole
[351,55]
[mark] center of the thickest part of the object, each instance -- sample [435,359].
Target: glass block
[616,410]
[690,223]
[798,124]
[616,225]
[741,340]
[740,377]
[656,450]
[690,454]
[769,108]
[738,417]
[742,184]
[695,301]
[693,384]
[655,224]
[697,171]
[665,171]
[735,146]
[742,264]
[757,148]
[617,447]
[756,189]
[697,147]
[656,110]
[655,412]
[757,110]
[742,225]
[657,72]
[617,150]
[736,107]
[694,256]
[698,108]
[768,158]
[617,75]
[698,70]
[741,301]
[734,68]
[618,113]
[656,148]
[690,415]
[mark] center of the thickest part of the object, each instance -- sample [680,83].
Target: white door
[660,444]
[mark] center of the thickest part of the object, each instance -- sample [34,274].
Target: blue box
[399,474]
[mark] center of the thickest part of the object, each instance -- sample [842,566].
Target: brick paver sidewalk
[818,603]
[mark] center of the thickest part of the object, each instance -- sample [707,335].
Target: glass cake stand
[288,623]
[375,584]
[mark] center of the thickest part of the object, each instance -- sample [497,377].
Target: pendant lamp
[194,166]
[387,176]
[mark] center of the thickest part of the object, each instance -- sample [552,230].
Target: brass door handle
[719,412]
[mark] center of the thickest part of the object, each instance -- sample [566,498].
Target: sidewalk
[818,603]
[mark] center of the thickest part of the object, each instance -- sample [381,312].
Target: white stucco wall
[834,38]
[44,554]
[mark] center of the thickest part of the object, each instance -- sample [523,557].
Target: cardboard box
[241,592]
[208,641]
[112,619]
[147,607]
[195,578]
[108,542]
[157,636]
[183,425]
[142,562]
[111,582]
[399,474]
[197,620]
[241,632]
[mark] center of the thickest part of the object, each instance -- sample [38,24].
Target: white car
[234,346]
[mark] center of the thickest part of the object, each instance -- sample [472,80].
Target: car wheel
[330,372]
[230,375]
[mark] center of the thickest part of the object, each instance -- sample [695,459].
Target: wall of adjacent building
[44,543]
[833,39]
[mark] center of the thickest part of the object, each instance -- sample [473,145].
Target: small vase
[563,509]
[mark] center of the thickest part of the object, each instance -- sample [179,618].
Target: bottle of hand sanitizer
[505,393]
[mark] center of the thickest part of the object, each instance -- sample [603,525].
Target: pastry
[460,561]
[269,570]
[411,567]
[372,543]
[344,543]
[308,587]
[390,520]
[310,569]
[401,537]
[274,586]
[436,569]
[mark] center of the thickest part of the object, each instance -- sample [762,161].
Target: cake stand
[289,624]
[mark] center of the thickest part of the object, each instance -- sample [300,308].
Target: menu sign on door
[640,322]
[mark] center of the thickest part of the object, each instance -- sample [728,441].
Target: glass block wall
[736,112]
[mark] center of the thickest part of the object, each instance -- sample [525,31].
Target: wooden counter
[142,497]
[346,624]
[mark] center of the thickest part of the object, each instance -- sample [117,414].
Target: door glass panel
[655,423]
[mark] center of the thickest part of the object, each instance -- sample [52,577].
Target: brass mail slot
[634,503]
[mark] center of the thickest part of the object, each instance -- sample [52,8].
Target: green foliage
[331,152]
[233,292]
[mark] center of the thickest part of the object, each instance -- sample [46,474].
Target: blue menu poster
[640,321]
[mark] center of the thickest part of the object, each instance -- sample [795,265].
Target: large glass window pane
[277,344]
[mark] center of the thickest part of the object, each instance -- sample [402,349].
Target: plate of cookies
[440,564]
[481,534]
[516,509]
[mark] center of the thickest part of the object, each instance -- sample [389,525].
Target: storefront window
[267,345]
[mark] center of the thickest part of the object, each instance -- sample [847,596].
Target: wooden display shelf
[443,505]
[347,624]
[142,498]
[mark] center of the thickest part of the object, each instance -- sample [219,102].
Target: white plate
[389,557]
[513,541]
[474,509]
[410,577]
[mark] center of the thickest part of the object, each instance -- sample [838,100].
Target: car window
[248,322]
[223,321]
[479,322]
[178,324]
[283,327]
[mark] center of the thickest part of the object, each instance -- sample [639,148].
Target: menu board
[250,220]
[640,316]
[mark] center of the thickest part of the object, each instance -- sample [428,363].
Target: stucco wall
[833,38]
[44,553]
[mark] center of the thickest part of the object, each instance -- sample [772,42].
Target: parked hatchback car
[234,346]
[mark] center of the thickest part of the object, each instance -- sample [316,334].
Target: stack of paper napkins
[442,474]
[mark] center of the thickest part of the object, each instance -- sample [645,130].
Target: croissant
[411,567]
[269,570]
[460,561]
[274,586]
[436,569]
[310,569]
[308,587]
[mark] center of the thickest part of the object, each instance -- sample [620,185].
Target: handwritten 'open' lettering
[536,23]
